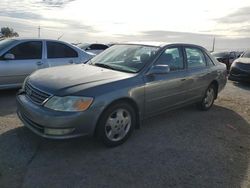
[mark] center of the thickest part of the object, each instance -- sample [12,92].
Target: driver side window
[27,50]
[173,58]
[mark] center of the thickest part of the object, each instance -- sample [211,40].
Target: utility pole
[213,44]
[39,30]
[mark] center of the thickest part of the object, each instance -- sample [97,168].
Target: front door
[163,91]
[27,57]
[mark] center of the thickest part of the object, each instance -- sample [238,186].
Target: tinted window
[173,58]
[195,58]
[59,50]
[98,47]
[27,50]
[232,55]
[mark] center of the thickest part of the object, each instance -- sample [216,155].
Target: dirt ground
[182,148]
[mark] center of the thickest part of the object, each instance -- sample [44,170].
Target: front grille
[35,95]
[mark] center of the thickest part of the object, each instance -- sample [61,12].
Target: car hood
[55,80]
[243,60]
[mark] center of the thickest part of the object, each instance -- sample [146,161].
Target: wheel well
[215,83]
[130,102]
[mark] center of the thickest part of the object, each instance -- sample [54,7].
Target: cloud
[205,40]
[242,15]
[20,14]
[55,3]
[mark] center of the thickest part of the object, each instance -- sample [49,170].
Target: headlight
[69,103]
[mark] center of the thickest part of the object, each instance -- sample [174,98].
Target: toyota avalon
[113,93]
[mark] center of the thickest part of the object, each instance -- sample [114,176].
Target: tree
[8,32]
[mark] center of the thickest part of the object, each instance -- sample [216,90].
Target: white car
[20,57]
[94,48]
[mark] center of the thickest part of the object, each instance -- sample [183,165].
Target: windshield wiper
[104,66]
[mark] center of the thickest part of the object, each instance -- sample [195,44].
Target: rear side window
[59,50]
[195,58]
[209,60]
[27,50]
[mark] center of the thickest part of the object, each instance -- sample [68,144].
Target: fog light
[58,131]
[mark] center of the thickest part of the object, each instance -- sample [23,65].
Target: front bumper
[53,124]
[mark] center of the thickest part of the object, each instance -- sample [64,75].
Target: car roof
[161,44]
[33,39]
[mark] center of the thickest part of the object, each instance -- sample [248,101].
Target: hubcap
[208,101]
[118,125]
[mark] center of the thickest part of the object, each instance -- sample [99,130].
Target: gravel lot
[182,148]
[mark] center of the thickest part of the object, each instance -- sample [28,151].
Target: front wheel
[116,124]
[208,99]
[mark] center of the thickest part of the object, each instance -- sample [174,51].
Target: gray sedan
[111,94]
[20,57]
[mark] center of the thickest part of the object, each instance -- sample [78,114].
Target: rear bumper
[56,125]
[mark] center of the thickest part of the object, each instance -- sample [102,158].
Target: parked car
[111,94]
[226,57]
[20,57]
[93,48]
[240,69]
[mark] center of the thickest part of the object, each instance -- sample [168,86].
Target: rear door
[199,73]
[58,53]
[164,91]
[27,59]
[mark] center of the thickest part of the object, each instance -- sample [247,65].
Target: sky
[189,21]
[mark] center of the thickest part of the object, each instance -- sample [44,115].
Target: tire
[116,124]
[208,99]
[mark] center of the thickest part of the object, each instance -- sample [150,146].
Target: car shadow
[242,85]
[7,101]
[182,148]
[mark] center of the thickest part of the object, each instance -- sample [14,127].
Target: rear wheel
[116,124]
[208,99]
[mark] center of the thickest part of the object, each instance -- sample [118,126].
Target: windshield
[5,43]
[125,58]
[246,54]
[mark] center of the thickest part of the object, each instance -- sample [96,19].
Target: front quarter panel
[104,95]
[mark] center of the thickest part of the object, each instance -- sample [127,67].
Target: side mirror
[159,69]
[9,56]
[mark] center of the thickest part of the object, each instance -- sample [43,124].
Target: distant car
[226,57]
[20,57]
[240,69]
[93,48]
[111,94]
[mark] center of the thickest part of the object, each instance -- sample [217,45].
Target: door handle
[71,61]
[39,63]
[183,79]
